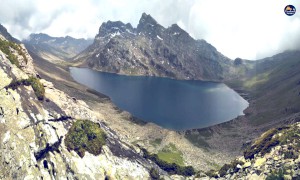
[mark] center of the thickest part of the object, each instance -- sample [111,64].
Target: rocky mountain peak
[175,28]
[179,34]
[146,19]
[153,50]
[69,37]
[114,28]
[149,26]
[38,37]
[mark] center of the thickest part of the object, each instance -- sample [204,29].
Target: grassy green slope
[274,87]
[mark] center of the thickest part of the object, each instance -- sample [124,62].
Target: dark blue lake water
[172,104]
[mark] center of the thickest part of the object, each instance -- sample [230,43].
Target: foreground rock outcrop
[32,133]
[274,155]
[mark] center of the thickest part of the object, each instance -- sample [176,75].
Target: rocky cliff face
[55,48]
[6,35]
[32,133]
[151,49]
[274,155]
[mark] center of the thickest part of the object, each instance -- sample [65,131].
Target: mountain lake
[172,104]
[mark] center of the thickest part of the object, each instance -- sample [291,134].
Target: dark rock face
[114,27]
[151,49]
[6,35]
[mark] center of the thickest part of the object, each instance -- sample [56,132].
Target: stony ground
[33,131]
[277,160]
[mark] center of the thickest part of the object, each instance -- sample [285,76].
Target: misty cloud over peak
[247,29]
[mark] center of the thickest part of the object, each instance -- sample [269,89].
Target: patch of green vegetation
[276,175]
[5,48]
[171,168]
[171,154]
[256,80]
[289,135]
[19,49]
[156,142]
[279,90]
[34,82]
[85,135]
[38,87]
[263,145]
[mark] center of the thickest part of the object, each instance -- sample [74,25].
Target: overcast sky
[250,29]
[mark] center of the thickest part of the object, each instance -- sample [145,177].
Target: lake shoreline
[173,104]
[243,93]
[138,75]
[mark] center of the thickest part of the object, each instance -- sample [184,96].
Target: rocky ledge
[274,155]
[33,131]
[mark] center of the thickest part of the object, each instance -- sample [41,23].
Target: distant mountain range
[55,48]
[151,49]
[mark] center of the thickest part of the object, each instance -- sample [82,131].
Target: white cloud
[237,28]
[248,29]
